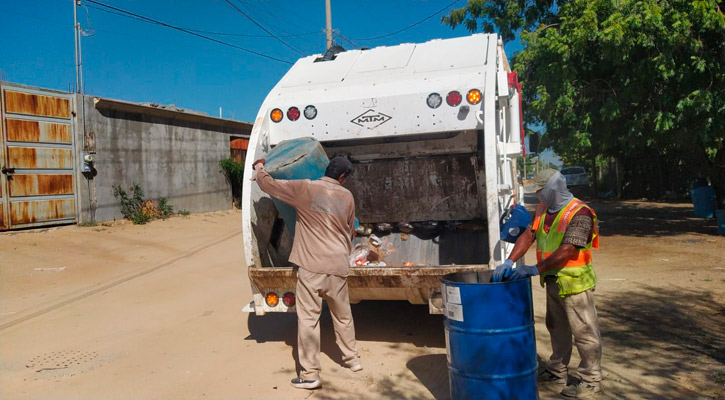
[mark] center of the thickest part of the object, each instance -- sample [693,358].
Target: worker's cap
[543,178]
[338,165]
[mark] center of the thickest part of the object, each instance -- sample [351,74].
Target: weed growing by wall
[234,172]
[138,210]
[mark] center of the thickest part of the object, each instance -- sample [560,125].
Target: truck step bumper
[418,285]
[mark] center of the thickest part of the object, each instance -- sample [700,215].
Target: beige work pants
[312,288]
[573,315]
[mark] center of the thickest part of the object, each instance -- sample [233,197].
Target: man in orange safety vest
[565,232]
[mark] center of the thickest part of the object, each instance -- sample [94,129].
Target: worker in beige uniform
[324,230]
[565,232]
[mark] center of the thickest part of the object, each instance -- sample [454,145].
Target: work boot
[547,376]
[300,383]
[582,390]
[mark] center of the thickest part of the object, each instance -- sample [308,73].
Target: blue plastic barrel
[703,198]
[302,158]
[489,337]
[720,215]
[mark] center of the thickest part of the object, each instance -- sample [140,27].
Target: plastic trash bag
[359,256]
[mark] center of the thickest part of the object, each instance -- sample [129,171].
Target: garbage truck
[433,131]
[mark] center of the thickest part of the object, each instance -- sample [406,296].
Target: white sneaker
[300,383]
[581,390]
[356,367]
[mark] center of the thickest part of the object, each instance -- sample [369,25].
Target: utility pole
[77,40]
[328,25]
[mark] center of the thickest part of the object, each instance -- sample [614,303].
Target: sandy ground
[154,312]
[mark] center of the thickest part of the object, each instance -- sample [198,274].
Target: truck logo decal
[371,119]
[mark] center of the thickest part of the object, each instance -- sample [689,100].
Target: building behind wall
[47,137]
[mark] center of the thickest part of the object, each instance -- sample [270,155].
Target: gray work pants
[312,288]
[573,315]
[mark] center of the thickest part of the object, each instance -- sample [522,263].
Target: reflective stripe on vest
[579,259]
[576,274]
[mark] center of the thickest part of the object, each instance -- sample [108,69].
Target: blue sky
[127,59]
[132,60]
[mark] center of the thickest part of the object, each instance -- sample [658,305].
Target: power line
[252,36]
[283,20]
[337,34]
[261,27]
[107,30]
[204,31]
[412,25]
[153,21]
[126,34]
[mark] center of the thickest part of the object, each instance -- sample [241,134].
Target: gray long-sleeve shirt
[325,221]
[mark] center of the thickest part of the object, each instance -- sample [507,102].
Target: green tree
[642,81]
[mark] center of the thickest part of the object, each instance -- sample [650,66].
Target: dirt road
[154,311]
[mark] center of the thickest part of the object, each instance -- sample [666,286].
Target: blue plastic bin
[302,158]
[490,337]
[703,198]
[516,224]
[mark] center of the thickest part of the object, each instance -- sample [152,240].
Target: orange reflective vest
[576,275]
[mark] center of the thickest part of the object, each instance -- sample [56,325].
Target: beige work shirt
[325,221]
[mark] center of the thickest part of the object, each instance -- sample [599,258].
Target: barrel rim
[443,280]
[458,329]
[531,371]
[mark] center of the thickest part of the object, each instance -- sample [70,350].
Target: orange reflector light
[288,299]
[474,96]
[272,299]
[276,115]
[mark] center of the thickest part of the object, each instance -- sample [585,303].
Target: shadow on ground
[432,371]
[660,342]
[643,219]
[672,335]
[393,322]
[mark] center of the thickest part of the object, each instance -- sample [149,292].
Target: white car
[575,176]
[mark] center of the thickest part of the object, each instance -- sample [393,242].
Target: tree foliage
[639,80]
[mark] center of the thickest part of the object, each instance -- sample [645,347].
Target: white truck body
[411,163]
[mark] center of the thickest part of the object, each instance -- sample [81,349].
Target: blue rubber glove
[502,271]
[523,272]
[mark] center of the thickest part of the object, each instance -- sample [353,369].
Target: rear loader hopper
[433,131]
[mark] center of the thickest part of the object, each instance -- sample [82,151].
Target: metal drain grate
[63,363]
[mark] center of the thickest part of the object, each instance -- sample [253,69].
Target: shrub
[138,210]
[130,205]
[234,172]
[165,209]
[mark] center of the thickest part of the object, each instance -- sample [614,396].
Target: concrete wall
[168,153]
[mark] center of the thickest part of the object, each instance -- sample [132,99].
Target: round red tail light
[293,114]
[454,98]
[289,299]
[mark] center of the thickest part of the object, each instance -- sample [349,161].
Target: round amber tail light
[271,299]
[276,115]
[474,96]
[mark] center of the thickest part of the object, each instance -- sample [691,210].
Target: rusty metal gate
[36,155]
